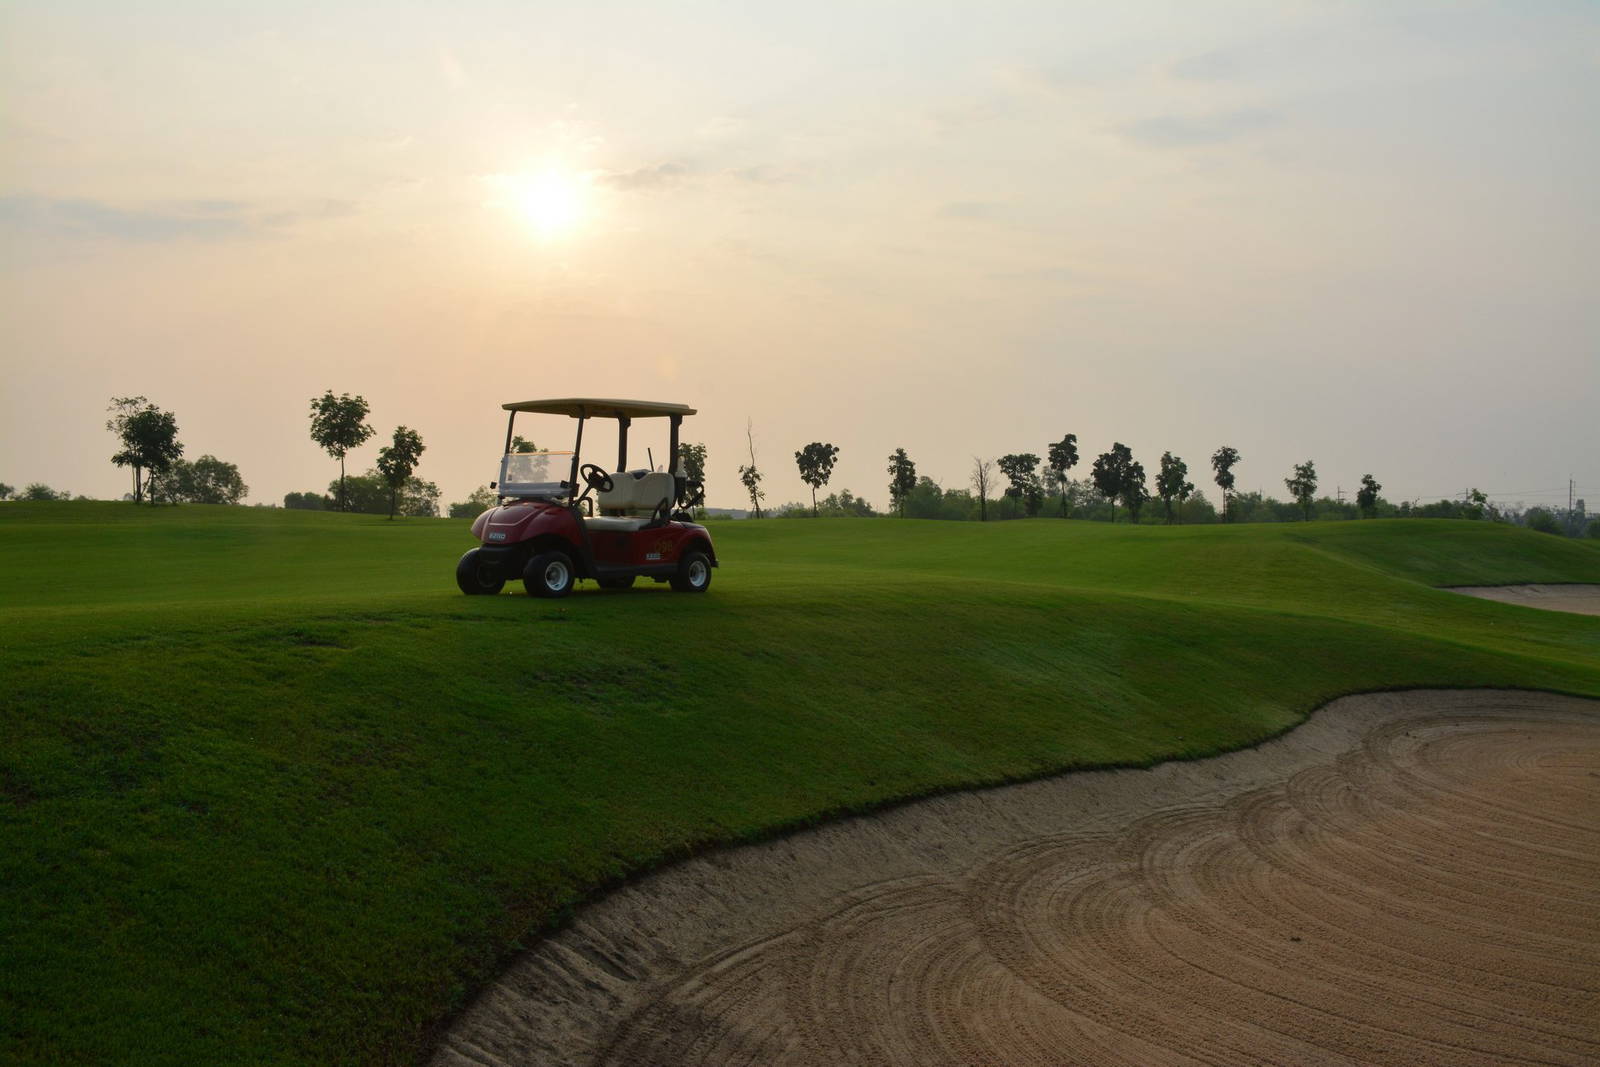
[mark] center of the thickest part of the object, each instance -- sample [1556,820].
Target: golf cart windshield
[533,474]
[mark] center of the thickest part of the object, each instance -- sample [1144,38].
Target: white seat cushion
[614,523]
[637,496]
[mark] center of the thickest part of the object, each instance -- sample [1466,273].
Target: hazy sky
[1363,234]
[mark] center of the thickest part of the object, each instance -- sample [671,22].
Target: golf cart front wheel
[549,574]
[694,574]
[475,579]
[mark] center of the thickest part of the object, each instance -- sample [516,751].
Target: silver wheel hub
[697,573]
[555,574]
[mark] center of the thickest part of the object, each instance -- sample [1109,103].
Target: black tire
[549,574]
[475,580]
[694,573]
[616,583]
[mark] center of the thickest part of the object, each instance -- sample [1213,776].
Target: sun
[551,201]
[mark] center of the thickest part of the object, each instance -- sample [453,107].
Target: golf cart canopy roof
[590,408]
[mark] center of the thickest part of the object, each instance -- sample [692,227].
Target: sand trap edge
[1574,598]
[559,1001]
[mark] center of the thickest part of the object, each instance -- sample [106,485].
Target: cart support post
[577,453]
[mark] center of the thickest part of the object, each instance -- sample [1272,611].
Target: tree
[6,491]
[751,479]
[478,501]
[982,475]
[538,469]
[338,424]
[1222,461]
[306,501]
[816,467]
[1033,498]
[208,480]
[692,461]
[419,499]
[149,438]
[1021,470]
[1062,457]
[40,491]
[843,504]
[749,476]
[693,458]
[123,409]
[397,461]
[369,494]
[1111,472]
[1170,483]
[1302,485]
[1133,490]
[1367,496]
[902,480]
[1542,520]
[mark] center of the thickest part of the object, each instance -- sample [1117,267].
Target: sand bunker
[1407,878]
[1581,599]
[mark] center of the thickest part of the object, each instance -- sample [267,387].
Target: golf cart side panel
[673,541]
[512,524]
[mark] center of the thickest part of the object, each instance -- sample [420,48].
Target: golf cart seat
[634,496]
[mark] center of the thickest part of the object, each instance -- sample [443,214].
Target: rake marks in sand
[1421,889]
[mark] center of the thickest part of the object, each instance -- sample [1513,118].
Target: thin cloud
[1184,131]
[972,210]
[645,178]
[1208,66]
[1036,274]
[759,175]
[182,220]
[670,175]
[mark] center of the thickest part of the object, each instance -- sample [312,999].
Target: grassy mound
[274,791]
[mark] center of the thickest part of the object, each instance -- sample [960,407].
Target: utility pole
[1341,494]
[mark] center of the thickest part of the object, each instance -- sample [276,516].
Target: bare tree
[982,475]
[749,475]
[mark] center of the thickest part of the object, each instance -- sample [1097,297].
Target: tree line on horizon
[1117,479]
[149,448]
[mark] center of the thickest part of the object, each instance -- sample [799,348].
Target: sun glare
[552,202]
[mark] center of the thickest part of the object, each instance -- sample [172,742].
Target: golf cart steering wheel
[596,478]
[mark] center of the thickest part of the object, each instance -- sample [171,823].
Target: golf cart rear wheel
[476,579]
[549,574]
[617,583]
[694,573]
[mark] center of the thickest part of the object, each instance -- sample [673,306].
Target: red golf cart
[611,527]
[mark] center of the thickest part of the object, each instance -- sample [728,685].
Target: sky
[1363,234]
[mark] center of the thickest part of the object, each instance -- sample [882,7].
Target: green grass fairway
[272,790]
